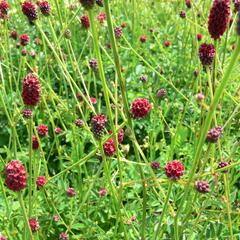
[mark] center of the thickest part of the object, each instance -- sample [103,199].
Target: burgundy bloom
[182,14]
[140,108]
[63,236]
[57,130]
[87,4]
[29,10]
[93,63]
[71,192]
[24,39]
[24,52]
[85,21]
[199,36]
[143,78]
[118,32]
[236,5]
[155,165]
[42,130]
[98,123]
[34,224]
[218,18]
[206,54]
[223,164]
[161,93]
[14,34]
[93,100]
[102,192]
[45,8]
[167,43]
[41,181]
[174,169]
[16,177]
[101,17]
[4,7]
[143,39]
[27,113]
[188,3]
[3,237]
[109,147]
[120,135]
[214,134]
[35,143]
[79,123]
[202,186]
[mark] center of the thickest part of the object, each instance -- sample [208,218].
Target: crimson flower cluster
[34,224]
[98,123]
[206,54]
[174,169]
[140,108]
[214,134]
[29,10]
[85,21]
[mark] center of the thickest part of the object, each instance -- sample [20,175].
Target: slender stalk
[30,166]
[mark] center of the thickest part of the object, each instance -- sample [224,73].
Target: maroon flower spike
[57,130]
[155,165]
[85,21]
[93,100]
[102,192]
[27,113]
[71,192]
[118,32]
[174,170]
[41,181]
[42,130]
[14,34]
[24,39]
[31,90]
[4,7]
[206,54]
[16,177]
[140,108]
[202,186]
[35,143]
[143,39]
[167,43]
[87,4]
[98,123]
[188,3]
[34,224]
[29,10]
[63,236]
[218,18]
[101,17]
[109,147]
[214,134]
[161,93]
[45,8]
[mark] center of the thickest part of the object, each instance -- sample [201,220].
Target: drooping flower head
[218,18]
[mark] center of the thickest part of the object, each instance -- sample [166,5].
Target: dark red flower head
[57,130]
[214,134]
[167,43]
[98,123]
[29,10]
[101,17]
[109,147]
[206,54]
[99,3]
[34,224]
[218,18]
[24,39]
[118,32]
[35,143]
[42,130]
[4,7]
[63,236]
[202,186]
[85,21]
[143,39]
[41,181]
[14,34]
[174,169]
[199,36]
[155,165]
[31,90]
[188,3]
[27,113]
[45,8]
[102,192]
[140,108]
[16,177]
[70,192]
[87,4]
[120,135]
